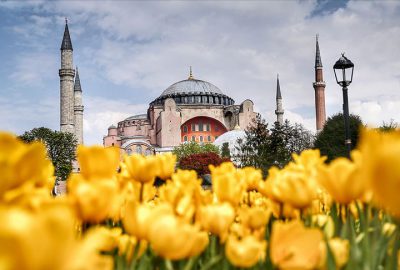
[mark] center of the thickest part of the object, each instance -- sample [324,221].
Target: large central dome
[192,86]
[194,92]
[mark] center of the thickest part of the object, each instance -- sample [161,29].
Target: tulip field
[307,215]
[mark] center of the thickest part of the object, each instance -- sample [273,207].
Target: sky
[128,52]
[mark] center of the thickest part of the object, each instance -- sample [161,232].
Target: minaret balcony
[78,108]
[66,72]
[319,84]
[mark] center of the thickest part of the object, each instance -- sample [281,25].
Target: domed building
[189,110]
[231,138]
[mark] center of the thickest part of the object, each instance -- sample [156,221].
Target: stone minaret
[279,108]
[319,87]
[78,109]
[66,84]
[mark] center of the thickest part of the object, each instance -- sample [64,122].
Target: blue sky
[128,52]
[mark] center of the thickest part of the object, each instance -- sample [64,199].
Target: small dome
[112,127]
[137,117]
[191,86]
[230,137]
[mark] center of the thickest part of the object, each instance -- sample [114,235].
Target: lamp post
[344,67]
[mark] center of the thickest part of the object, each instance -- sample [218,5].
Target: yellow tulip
[252,177]
[127,244]
[292,246]
[97,162]
[94,200]
[143,169]
[138,217]
[104,239]
[255,217]
[380,166]
[228,183]
[217,218]
[174,239]
[340,249]
[296,189]
[21,163]
[341,179]
[245,252]
[166,165]
[35,240]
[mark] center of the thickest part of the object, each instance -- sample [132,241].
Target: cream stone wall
[78,115]
[246,114]
[170,121]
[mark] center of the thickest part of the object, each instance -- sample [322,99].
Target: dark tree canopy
[330,141]
[263,147]
[193,147]
[60,148]
[225,152]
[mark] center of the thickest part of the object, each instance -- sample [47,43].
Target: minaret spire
[319,87]
[66,43]
[318,62]
[78,109]
[279,108]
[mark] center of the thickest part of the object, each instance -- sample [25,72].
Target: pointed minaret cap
[77,85]
[190,74]
[318,62]
[278,88]
[66,43]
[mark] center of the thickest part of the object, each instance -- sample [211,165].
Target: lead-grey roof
[191,86]
[77,85]
[318,61]
[66,43]
[138,116]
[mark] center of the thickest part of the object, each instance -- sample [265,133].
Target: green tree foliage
[60,146]
[387,127]
[225,152]
[330,141]
[263,147]
[192,147]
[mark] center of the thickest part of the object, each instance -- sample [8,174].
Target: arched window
[209,138]
[193,138]
[201,138]
[148,152]
[185,128]
[185,138]
[139,149]
[128,151]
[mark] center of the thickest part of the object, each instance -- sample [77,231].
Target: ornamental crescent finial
[190,73]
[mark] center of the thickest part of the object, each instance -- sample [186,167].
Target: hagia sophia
[188,110]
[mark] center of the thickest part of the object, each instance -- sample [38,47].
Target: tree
[330,141]
[225,152]
[263,147]
[387,127]
[60,146]
[192,147]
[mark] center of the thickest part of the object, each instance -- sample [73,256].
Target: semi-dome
[194,92]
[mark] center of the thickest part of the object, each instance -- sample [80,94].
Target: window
[185,129]
[148,152]
[204,99]
[200,126]
[209,138]
[139,149]
[201,138]
[129,151]
[193,138]
[193,127]
[196,127]
[185,138]
[208,127]
[198,99]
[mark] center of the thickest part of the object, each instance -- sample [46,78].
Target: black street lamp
[345,68]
